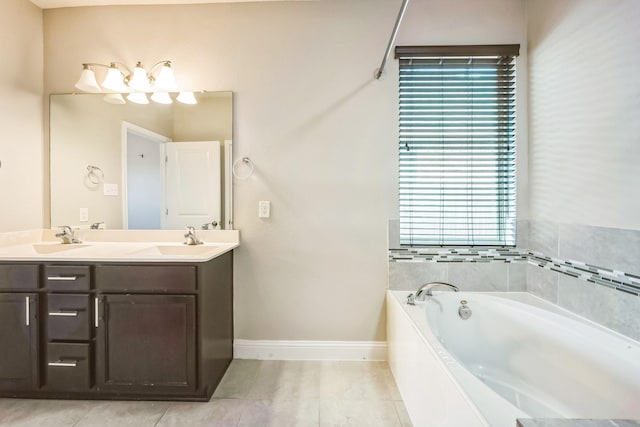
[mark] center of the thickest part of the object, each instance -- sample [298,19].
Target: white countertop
[116,246]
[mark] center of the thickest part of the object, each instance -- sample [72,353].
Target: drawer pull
[63,313]
[62,278]
[27,315]
[96,315]
[61,364]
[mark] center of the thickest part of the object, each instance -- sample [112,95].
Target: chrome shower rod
[403,8]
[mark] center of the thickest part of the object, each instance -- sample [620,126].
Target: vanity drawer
[68,366]
[68,317]
[160,278]
[67,277]
[18,276]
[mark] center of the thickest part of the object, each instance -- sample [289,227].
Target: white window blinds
[457,145]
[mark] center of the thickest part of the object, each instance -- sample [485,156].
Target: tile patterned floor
[253,393]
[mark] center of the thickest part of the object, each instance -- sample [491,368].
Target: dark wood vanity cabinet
[116,330]
[19,329]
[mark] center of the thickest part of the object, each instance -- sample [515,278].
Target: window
[457,145]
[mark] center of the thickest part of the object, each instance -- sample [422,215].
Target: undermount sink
[51,248]
[176,250]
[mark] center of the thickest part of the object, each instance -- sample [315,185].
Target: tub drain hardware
[464,311]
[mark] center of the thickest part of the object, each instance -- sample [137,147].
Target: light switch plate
[84,214]
[110,189]
[264,209]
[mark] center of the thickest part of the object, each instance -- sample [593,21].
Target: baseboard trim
[310,350]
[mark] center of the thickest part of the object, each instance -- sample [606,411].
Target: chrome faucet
[67,235]
[425,290]
[191,238]
[210,225]
[96,225]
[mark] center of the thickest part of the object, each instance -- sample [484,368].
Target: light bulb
[114,80]
[139,80]
[87,81]
[166,80]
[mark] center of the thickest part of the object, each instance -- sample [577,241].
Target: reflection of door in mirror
[193,185]
[169,185]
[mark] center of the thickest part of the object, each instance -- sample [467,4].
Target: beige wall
[21,80]
[320,130]
[584,111]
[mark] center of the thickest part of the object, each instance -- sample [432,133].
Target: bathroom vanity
[149,318]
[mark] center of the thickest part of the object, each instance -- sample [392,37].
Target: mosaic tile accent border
[458,255]
[617,280]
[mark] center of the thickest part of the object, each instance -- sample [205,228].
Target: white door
[193,185]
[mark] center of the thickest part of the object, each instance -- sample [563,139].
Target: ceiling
[50,4]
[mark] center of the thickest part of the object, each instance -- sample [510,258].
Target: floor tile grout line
[163,414]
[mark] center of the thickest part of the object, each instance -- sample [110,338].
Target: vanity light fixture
[137,83]
[114,80]
[87,81]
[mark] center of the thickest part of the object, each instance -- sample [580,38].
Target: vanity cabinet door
[19,342]
[146,343]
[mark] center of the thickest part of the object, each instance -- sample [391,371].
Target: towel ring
[246,161]
[95,174]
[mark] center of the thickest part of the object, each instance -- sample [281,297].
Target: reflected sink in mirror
[52,248]
[176,250]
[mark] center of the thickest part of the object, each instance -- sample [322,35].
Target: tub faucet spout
[425,290]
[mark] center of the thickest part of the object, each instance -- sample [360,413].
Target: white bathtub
[517,356]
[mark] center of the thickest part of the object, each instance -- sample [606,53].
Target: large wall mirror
[132,166]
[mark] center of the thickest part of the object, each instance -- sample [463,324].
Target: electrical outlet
[84,214]
[264,209]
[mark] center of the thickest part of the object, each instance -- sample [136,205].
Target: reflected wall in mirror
[159,166]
